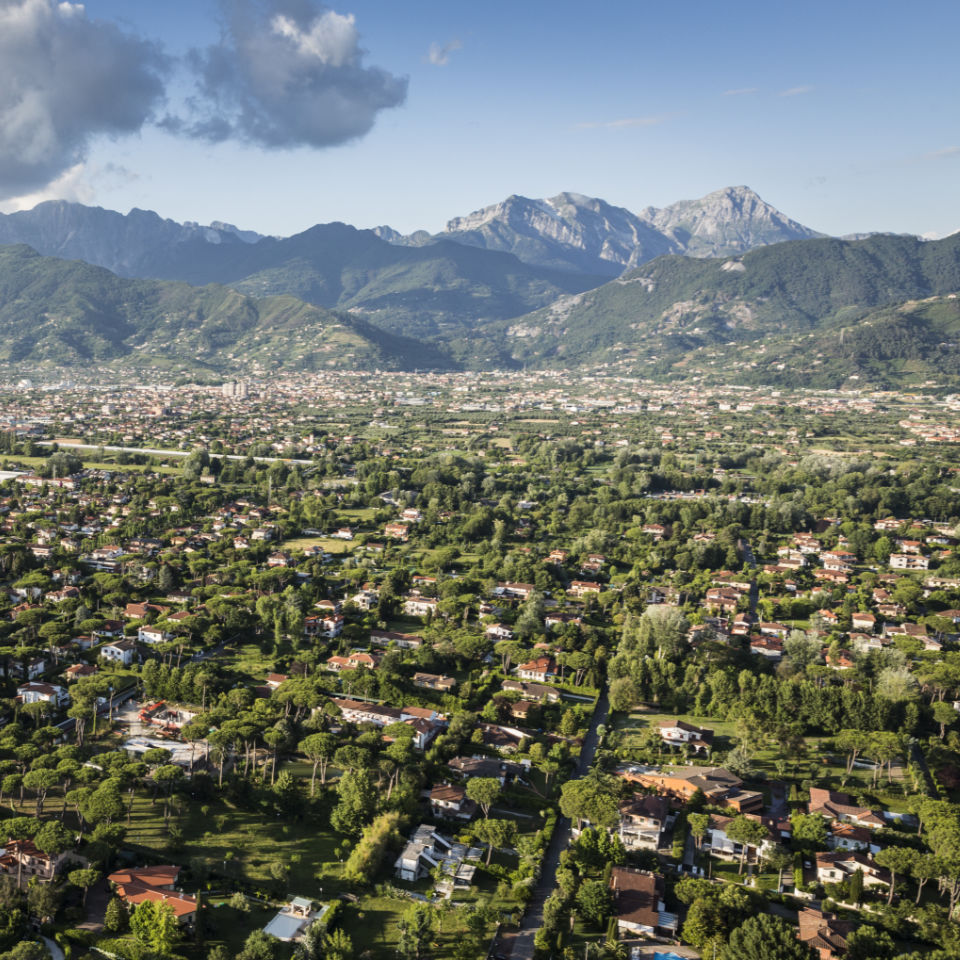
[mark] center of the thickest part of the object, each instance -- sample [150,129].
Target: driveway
[520,943]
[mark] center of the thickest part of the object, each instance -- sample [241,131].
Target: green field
[332,545]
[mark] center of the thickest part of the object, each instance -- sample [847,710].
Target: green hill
[68,312]
[669,314]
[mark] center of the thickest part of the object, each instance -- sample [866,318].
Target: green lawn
[633,724]
[31,463]
[332,545]
[240,844]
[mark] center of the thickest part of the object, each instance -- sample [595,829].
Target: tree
[115,918]
[944,715]
[155,925]
[705,920]
[53,838]
[765,937]
[778,857]
[623,693]
[809,831]
[698,824]
[84,879]
[590,798]
[748,833]
[358,801]
[368,854]
[496,833]
[40,781]
[484,792]
[416,931]
[594,902]
[855,891]
[258,946]
[898,860]
[337,945]
[870,943]
[318,748]
[924,868]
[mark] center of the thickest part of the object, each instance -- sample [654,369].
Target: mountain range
[725,286]
[587,235]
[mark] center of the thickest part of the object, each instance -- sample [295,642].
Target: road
[533,918]
[158,452]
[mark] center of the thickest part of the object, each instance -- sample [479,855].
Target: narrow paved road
[533,918]
[161,452]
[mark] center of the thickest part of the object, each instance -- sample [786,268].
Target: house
[397,531]
[722,846]
[837,806]
[838,865]
[153,635]
[638,903]
[506,771]
[846,836]
[49,693]
[156,884]
[433,681]
[505,739]
[541,669]
[677,733]
[864,621]
[366,599]
[329,626]
[22,858]
[531,691]
[823,933]
[516,591]
[354,661]
[137,611]
[908,561]
[386,638]
[642,821]
[119,651]
[417,606]
[718,785]
[499,631]
[77,671]
[769,647]
[584,588]
[359,711]
[724,599]
[450,800]
[428,850]
[274,680]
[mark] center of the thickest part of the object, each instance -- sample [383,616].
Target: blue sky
[843,115]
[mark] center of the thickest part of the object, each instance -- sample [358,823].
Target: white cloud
[739,92]
[944,152]
[796,91]
[625,122]
[331,38]
[439,54]
[65,79]
[286,73]
[80,184]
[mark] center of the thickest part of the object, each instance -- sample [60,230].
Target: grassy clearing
[332,545]
[32,463]
[632,726]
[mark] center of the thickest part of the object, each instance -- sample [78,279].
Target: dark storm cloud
[286,73]
[64,79]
